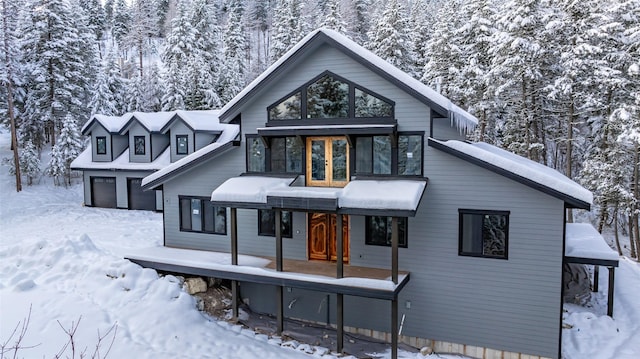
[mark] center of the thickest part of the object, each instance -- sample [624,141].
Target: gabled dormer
[145,140]
[106,141]
[190,131]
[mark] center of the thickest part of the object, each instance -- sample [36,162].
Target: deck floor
[329,269]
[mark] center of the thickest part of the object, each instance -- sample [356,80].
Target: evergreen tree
[287,28]
[67,148]
[421,29]
[121,22]
[142,28]
[29,161]
[260,23]
[333,19]
[178,47]
[162,11]
[103,100]
[360,20]
[152,90]
[202,70]
[234,70]
[108,13]
[389,38]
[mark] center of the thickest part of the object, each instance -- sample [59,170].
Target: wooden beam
[394,328]
[280,313]
[278,225]
[234,236]
[340,323]
[339,247]
[394,250]
[612,274]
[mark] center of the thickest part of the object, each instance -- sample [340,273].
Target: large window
[379,230]
[284,155]
[329,96]
[484,233]
[375,155]
[198,214]
[182,144]
[267,223]
[101,145]
[139,145]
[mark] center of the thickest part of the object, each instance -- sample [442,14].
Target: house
[125,149]
[350,198]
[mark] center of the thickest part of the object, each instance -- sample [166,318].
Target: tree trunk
[632,244]
[636,193]
[569,161]
[615,230]
[140,58]
[603,216]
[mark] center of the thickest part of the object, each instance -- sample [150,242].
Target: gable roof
[223,143]
[197,121]
[151,121]
[438,103]
[519,169]
[204,120]
[111,124]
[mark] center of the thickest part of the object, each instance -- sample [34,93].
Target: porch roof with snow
[585,245]
[519,169]
[379,197]
[438,103]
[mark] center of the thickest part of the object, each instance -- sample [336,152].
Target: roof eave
[570,202]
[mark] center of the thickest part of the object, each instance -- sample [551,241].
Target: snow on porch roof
[518,168]
[583,241]
[398,196]
[458,117]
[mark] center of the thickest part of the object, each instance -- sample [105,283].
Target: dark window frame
[285,234]
[249,138]
[203,225]
[403,240]
[351,118]
[98,139]
[395,153]
[267,157]
[186,139]
[135,145]
[479,212]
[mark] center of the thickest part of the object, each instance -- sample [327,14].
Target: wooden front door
[322,237]
[327,161]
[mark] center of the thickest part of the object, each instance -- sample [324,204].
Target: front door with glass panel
[327,161]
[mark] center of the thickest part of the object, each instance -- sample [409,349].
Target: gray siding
[119,144]
[509,304]
[203,139]
[179,128]
[99,131]
[442,130]
[137,130]
[122,198]
[159,143]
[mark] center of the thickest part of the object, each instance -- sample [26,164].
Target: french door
[327,161]
[322,237]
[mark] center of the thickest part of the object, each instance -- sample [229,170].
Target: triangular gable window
[328,96]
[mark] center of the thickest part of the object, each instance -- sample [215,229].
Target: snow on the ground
[65,262]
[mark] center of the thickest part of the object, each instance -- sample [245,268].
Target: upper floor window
[139,145]
[376,155]
[329,96]
[255,155]
[101,145]
[182,144]
[379,231]
[483,233]
[198,214]
[283,155]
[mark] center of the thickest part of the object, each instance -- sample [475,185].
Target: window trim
[202,201]
[178,137]
[265,234]
[351,118]
[367,239]
[395,153]
[482,212]
[98,138]
[135,147]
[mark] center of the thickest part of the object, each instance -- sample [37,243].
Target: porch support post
[234,298]
[394,328]
[612,271]
[394,250]
[234,236]
[280,313]
[340,322]
[278,240]
[339,247]
[596,277]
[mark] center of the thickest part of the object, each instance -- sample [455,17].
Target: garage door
[139,199]
[103,192]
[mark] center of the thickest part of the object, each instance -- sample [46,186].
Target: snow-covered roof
[84,162]
[583,241]
[229,133]
[519,168]
[460,118]
[206,120]
[357,195]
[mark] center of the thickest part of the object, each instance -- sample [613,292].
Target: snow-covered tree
[360,20]
[142,28]
[389,38]
[29,161]
[287,27]
[234,69]
[121,22]
[178,47]
[67,148]
[333,18]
